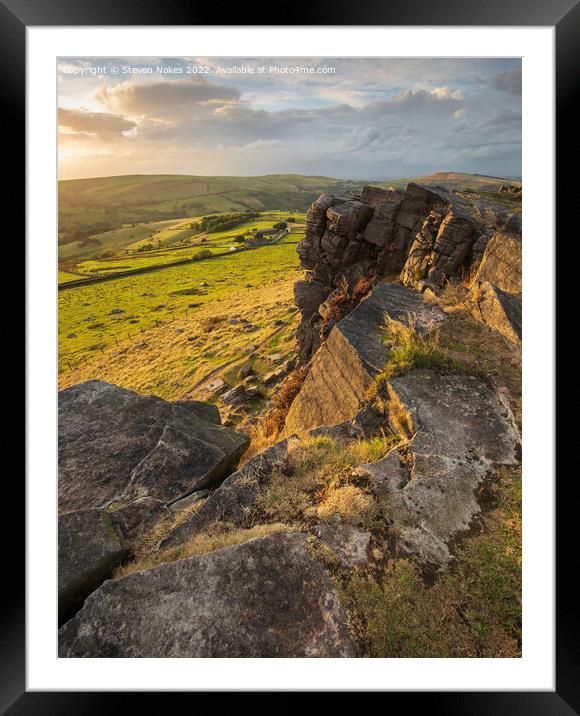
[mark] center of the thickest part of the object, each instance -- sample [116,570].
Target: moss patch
[472,610]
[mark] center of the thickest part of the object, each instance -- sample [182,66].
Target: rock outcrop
[265,598]
[90,546]
[422,236]
[116,446]
[458,429]
[353,355]
[441,247]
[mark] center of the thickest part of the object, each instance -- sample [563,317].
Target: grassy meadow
[163,331]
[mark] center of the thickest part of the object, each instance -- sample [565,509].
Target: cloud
[503,119]
[167,98]
[361,138]
[257,146]
[98,123]
[510,81]
[436,102]
[374,118]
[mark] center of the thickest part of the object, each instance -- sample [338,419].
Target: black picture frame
[564,15]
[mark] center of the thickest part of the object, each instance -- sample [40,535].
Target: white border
[535,670]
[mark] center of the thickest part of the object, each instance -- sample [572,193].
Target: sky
[367,118]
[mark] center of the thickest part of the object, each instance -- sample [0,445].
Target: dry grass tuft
[313,466]
[146,540]
[216,536]
[348,501]
[454,291]
[316,482]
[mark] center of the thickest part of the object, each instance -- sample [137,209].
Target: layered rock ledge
[423,236]
[353,355]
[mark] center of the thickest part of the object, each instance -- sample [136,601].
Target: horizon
[365,120]
[274,174]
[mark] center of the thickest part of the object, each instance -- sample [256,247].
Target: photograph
[289,357]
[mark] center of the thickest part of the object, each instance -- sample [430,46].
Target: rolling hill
[120,212]
[94,206]
[454,180]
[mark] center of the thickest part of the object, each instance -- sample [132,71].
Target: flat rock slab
[352,356]
[116,445]
[90,546]
[265,598]
[459,430]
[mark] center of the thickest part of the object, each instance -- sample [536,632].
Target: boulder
[460,429]
[234,396]
[116,445]
[233,499]
[353,355]
[265,598]
[500,311]
[246,371]
[90,546]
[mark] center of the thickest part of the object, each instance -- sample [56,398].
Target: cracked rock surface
[459,430]
[265,598]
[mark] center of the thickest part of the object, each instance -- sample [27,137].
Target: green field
[144,299]
[169,251]
[65,277]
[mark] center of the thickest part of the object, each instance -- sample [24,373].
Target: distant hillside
[93,206]
[454,180]
[90,207]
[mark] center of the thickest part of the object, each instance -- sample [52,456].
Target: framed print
[290,346]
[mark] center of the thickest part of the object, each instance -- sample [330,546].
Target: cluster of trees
[145,247]
[223,222]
